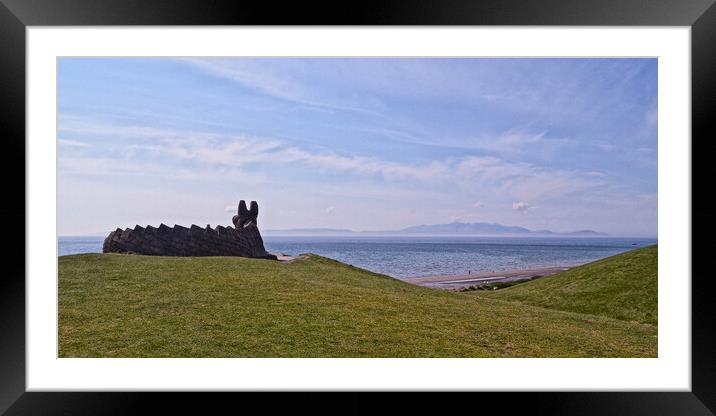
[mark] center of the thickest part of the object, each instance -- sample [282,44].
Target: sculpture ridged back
[244,240]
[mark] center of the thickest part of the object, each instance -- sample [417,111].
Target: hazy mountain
[584,232]
[480,228]
[483,228]
[455,228]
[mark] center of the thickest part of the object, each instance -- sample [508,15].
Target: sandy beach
[465,280]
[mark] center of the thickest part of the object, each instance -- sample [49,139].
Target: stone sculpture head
[246,216]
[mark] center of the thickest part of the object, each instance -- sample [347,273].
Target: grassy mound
[622,287]
[113,305]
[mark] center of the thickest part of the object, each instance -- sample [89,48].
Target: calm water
[426,256]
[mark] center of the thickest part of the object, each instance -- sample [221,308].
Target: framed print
[455,197]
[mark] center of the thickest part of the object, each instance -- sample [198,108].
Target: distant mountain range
[455,228]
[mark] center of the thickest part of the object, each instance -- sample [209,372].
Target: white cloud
[72,143]
[73,124]
[522,180]
[237,151]
[650,124]
[364,165]
[114,168]
[651,118]
[241,71]
[521,206]
[607,147]
[267,80]
[513,139]
[518,142]
[230,154]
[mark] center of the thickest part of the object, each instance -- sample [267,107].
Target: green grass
[622,287]
[113,305]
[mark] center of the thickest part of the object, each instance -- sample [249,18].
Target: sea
[417,256]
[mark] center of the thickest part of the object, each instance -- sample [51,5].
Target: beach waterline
[411,257]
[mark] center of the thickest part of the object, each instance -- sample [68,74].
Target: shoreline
[457,281]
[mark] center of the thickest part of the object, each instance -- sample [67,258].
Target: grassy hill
[113,305]
[622,287]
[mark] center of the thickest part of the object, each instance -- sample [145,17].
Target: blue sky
[364,144]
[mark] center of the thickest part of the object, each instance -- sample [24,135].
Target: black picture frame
[16,15]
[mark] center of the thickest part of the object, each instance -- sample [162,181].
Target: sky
[358,143]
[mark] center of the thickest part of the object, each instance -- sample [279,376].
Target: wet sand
[465,280]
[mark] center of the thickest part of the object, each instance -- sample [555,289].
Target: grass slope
[622,287]
[113,305]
